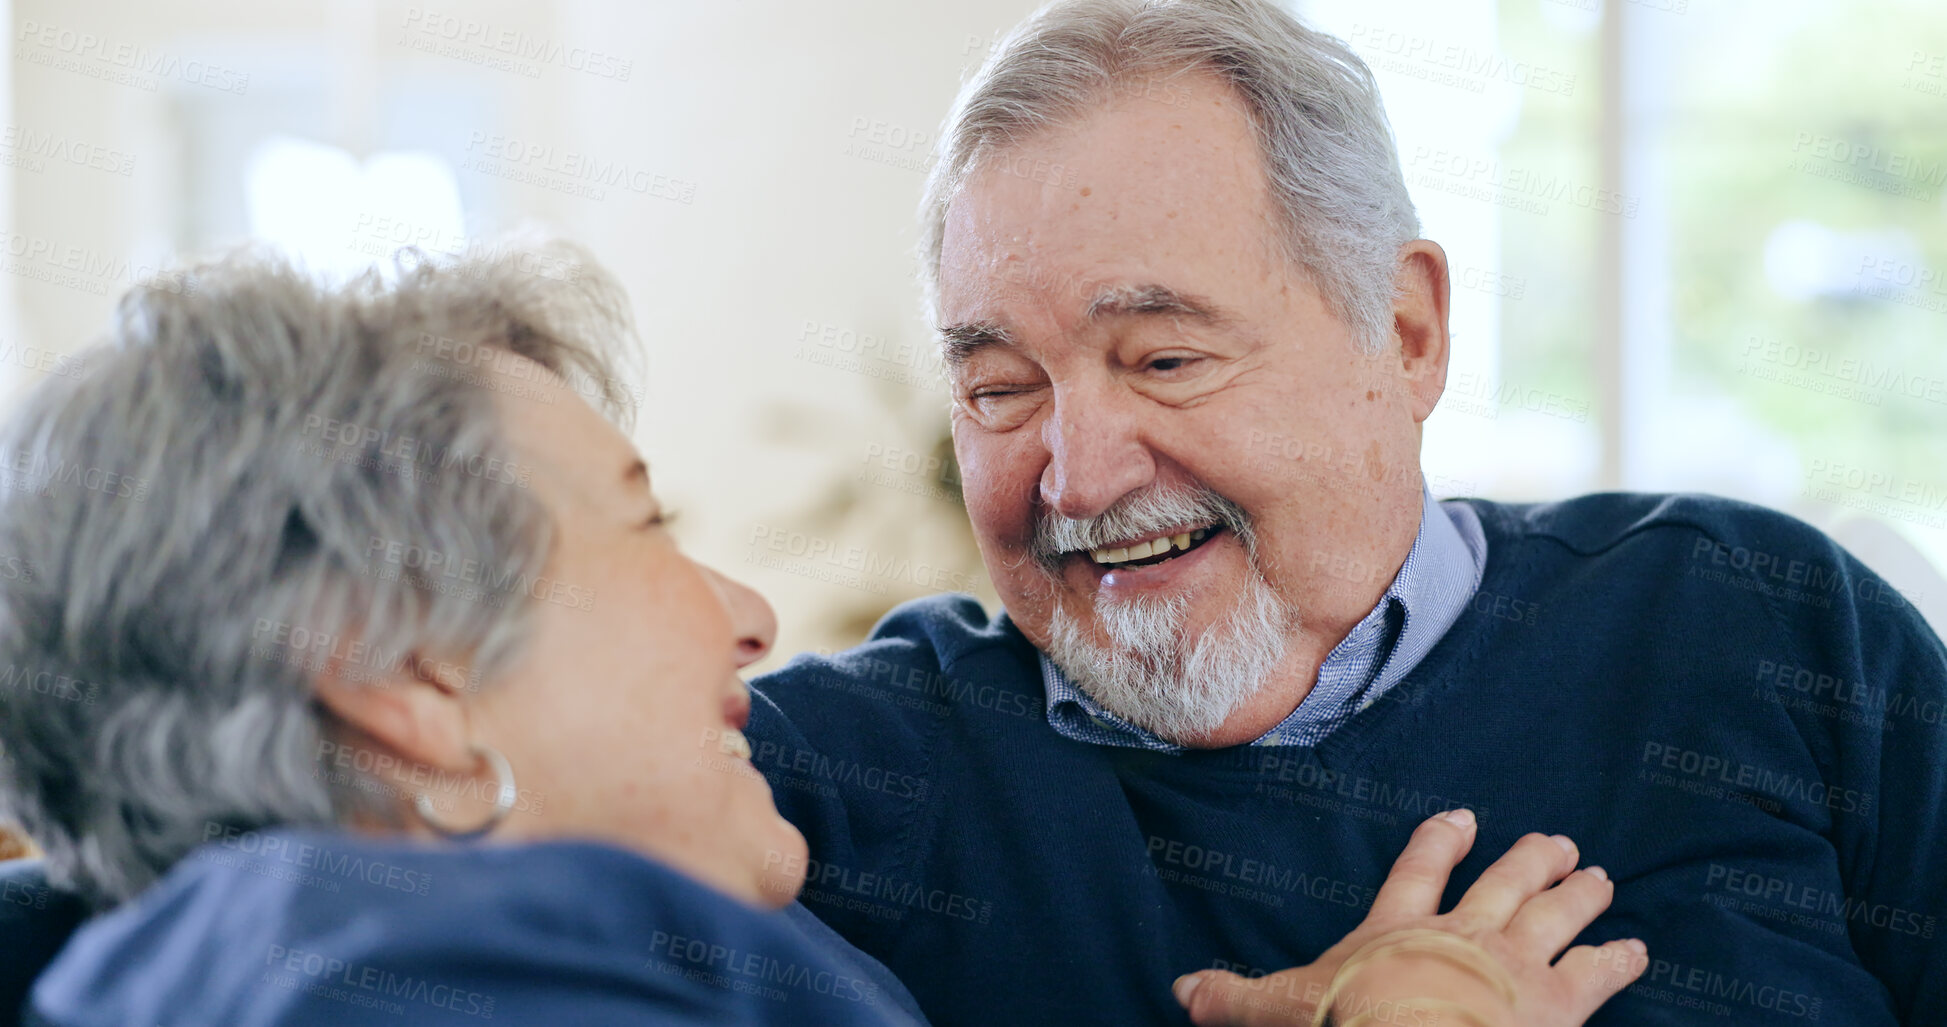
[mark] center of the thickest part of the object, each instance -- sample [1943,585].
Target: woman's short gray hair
[1328,152]
[257,475]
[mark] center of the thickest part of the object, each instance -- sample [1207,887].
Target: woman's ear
[416,710]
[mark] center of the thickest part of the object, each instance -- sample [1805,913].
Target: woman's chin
[785,861]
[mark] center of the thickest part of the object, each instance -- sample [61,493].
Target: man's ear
[413,710]
[1422,293]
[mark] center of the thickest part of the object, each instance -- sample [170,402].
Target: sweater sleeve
[1895,862]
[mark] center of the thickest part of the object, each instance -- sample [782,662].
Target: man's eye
[988,393]
[1167,364]
[1001,407]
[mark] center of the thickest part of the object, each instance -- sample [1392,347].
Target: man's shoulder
[1600,522]
[949,625]
[933,632]
[1760,561]
[923,656]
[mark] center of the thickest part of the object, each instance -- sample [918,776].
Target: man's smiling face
[1137,346]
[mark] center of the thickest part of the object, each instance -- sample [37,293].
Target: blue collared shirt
[1441,573]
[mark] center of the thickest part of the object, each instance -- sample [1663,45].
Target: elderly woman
[377,691]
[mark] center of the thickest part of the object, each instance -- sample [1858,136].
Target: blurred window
[1697,245]
[303,196]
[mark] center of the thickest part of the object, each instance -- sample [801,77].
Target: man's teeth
[733,743]
[1153,547]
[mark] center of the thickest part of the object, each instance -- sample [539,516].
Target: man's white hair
[1329,155]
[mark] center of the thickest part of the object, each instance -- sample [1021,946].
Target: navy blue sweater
[306,929]
[1732,715]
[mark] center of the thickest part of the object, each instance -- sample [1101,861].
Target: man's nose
[1095,456]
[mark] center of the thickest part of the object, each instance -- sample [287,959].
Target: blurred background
[1696,244]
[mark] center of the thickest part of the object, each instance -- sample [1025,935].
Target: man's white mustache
[1138,515]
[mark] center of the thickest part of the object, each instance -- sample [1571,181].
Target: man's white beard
[1154,677]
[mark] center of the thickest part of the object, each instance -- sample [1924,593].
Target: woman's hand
[1512,913]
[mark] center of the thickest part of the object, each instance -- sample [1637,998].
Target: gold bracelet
[1451,948]
[1440,1004]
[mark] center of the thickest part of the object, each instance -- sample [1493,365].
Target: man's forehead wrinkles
[1012,298]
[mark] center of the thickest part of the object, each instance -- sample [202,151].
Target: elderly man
[1193,336]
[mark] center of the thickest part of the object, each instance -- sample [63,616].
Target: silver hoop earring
[503,800]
